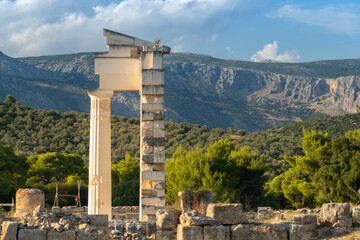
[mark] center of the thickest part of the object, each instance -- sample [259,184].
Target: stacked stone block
[152,159]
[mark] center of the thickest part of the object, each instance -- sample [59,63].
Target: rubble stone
[193,218]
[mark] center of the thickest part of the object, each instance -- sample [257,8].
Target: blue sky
[251,30]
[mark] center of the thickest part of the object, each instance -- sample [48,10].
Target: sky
[249,30]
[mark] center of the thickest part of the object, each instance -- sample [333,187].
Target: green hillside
[38,131]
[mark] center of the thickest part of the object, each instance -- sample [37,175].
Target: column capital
[100,93]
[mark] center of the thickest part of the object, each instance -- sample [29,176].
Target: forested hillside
[37,131]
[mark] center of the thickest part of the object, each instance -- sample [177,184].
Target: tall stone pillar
[99,199]
[152,143]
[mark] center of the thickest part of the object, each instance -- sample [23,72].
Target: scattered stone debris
[221,222]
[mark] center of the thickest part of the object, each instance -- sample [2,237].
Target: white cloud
[36,27]
[270,52]
[338,19]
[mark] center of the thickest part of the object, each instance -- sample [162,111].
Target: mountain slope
[199,89]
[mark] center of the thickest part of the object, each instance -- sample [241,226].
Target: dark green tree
[234,175]
[13,170]
[125,182]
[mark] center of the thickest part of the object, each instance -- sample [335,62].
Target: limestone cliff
[199,89]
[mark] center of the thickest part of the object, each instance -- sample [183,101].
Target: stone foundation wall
[221,221]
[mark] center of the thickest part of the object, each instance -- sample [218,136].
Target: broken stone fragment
[193,218]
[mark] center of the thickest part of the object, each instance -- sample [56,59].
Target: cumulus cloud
[338,19]
[36,27]
[270,52]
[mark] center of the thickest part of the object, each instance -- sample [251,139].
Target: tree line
[44,148]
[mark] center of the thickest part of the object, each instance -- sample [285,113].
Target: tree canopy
[234,175]
[329,172]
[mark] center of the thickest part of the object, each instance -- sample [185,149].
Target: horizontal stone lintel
[154,141]
[153,175]
[154,158]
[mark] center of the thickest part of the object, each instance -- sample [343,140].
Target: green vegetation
[42,148]
[329,172]
[33,132]
[13,171]
[125,182]
[234,175]
[275,143]
[48,169]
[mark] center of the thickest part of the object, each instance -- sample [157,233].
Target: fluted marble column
[99,199]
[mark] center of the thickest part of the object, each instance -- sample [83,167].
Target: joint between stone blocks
[148,116]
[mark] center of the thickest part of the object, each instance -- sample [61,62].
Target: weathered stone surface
[305,219]
[226,213]
[138,228]
[193,218]
[28,199]
[159,184]
[153,89]
[189,233]
[196,200]
[31,234]
[217,233]
[337,214]
[98,220]
[151,229]
[66,235]
[302,232]
[153,77]
[147,116]
[165,235]
[153,176]
[154,158]
[259,232]
[154,141]
[167,219]
[9,230]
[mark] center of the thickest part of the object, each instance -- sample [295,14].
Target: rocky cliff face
[217,94]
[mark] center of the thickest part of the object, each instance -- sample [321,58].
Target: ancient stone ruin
[219,222]
[131,64]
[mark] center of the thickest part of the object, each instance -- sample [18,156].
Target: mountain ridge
[199,89]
